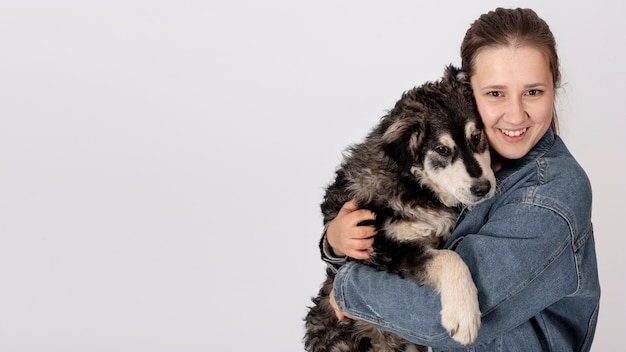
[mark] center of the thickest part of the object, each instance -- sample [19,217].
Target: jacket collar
[545,143]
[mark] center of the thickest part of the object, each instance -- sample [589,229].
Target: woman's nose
[516,113]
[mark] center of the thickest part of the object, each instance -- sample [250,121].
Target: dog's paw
[460,315]
[462,326]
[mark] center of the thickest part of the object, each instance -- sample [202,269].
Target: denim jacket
[531,252]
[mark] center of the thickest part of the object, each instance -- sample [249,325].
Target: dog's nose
[480,188]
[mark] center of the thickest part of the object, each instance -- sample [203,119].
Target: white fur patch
[470,129]
[432,223]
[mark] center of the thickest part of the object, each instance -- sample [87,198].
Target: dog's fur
[424,159]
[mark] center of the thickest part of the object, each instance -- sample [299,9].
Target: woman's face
[515,97]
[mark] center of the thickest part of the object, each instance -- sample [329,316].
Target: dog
[424,160]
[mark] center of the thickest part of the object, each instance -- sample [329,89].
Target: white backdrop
[162,162]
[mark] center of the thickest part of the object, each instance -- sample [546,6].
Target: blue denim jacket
[532,255]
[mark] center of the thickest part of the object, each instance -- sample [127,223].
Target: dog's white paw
[460,314]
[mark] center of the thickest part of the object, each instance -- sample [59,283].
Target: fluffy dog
[415,169]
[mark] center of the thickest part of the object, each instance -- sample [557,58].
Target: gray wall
[162,162]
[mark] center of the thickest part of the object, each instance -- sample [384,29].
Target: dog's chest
[426,225]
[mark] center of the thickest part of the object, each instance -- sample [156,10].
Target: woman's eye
[494,94]
[534,92]
[443,150]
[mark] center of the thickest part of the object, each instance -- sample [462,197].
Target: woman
[530,248]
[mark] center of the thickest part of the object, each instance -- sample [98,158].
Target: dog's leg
[460,314]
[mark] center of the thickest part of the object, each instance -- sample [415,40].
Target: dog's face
[435,134]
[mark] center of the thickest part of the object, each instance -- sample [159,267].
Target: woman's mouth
[514,133]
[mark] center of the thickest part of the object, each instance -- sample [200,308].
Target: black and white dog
[425,159]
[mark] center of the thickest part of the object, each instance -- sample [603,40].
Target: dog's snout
[481,188]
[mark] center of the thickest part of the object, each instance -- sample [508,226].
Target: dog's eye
[443,150]
[476,138]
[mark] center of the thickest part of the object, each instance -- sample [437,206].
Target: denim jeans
[531,253]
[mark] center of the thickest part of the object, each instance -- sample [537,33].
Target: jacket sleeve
[521,260]
[333,262]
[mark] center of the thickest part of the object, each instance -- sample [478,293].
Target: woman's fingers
[348,207]
[364,232]
[360,254]
[360,248]
[361,215]
[356,215]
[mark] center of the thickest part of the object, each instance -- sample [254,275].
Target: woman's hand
[346,237]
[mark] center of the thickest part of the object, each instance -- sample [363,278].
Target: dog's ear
[454,75]
[401,139]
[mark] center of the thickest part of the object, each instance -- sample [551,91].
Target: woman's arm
[521,261]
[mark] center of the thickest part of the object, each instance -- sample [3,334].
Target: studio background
[162,162]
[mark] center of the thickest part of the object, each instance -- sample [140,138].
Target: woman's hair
[511,28]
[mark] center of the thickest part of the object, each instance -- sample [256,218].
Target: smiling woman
[530,248]
[515,96]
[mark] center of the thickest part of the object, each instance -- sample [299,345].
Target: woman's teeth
[514,133]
